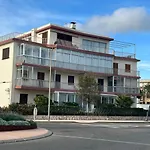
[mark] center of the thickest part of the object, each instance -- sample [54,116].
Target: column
[23,49]
[124,83]
[32,73]
[58,97]
[113,84]
[74,98]
[48,37]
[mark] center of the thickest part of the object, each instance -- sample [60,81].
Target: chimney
[73,25]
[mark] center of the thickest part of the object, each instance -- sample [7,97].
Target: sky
[127,21]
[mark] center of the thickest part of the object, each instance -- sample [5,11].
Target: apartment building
[25,65]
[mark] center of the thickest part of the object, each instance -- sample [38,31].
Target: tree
[87,89]
[41,100]
[123,101]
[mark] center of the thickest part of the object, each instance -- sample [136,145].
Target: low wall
[40,117]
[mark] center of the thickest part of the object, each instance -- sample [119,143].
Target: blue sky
[124,20]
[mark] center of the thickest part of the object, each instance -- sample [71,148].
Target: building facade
[25,59]
[145,98]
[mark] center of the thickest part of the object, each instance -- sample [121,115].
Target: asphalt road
[73,136]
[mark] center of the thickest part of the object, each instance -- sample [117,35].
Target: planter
[14,128]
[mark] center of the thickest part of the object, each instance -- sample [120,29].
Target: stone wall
[53,117]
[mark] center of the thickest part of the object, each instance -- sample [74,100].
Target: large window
[94,46]
[5,53]
[65,37]
[84,59]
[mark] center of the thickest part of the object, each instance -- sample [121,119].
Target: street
[97,136]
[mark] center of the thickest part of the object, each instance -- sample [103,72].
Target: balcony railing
[34,83]
[8,36]
[65,65]
[43,84]
[73,66]
[114,49]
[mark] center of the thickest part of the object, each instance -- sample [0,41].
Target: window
[25,74]
[5,53]
[44,37]
[64,37]
[94,46]
[70,79]
[39,95]
[127,68]
[23,98]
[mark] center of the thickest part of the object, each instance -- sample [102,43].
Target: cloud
[135,19]
[144,65]
[17,16]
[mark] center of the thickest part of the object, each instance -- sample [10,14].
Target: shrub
[32,123]
[3,122]
[11,116]
[24,109]
[19,123]
[70,104]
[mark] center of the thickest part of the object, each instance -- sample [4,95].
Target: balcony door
[57,81]
[101,84]
[40,77]
[115,68]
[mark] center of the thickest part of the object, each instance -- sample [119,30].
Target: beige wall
[121,66]
[6,75]
[31,95]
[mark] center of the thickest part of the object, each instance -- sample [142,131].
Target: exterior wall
[31,95]
[142,84]
[121,67]
[6,66]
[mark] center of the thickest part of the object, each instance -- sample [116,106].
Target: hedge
[11,116]
[70,109]
[3,122]
[18,123]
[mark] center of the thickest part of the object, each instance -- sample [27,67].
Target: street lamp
[49,92]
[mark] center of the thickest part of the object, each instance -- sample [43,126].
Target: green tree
[41,100]
[123,101]
[87,89]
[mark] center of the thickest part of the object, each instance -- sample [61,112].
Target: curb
[27,139]
[90,121]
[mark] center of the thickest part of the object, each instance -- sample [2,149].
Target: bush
[105,111]
[19,123]
[24,109]
[70,104]
[32,123]
[3,122]
[11,116]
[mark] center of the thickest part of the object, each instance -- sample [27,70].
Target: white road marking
[104,140]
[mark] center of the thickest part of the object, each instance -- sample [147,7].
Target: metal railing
[101,49]
[80,67]
[43,84]
[61,85]
[9,36]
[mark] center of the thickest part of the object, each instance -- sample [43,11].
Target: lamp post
[49,91]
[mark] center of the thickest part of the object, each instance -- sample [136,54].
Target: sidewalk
[94,121]
[23,135]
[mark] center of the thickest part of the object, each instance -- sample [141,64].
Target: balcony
[41,84]
[117,48]
[77,67]
[9,36]
[34,84]
[64,65]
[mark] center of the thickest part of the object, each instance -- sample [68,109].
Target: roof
[73,31]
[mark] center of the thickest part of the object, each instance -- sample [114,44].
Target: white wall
[31,95]
[6,75]
[121,66]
